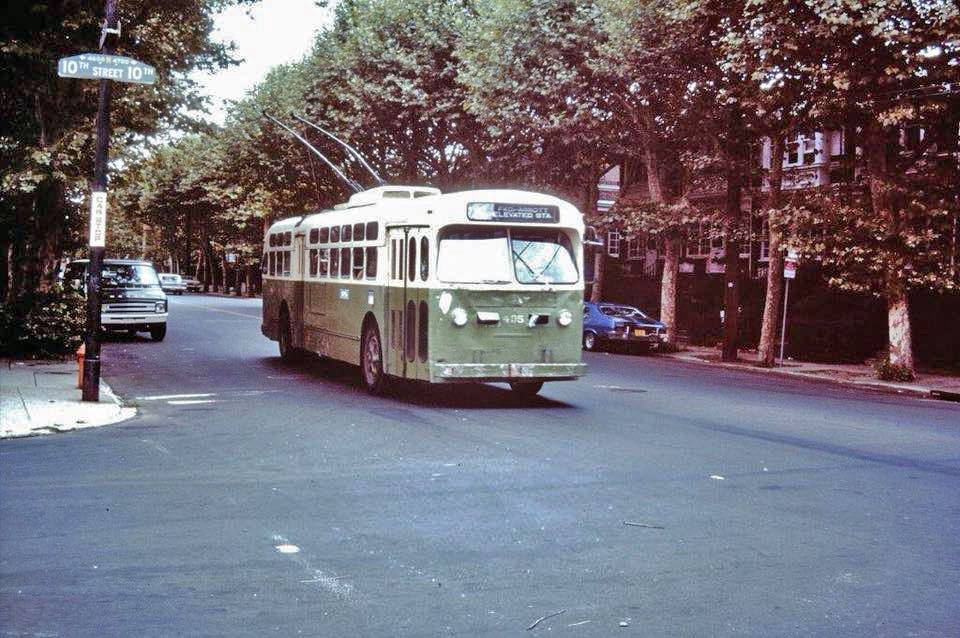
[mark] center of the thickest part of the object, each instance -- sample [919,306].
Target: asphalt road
[651,498]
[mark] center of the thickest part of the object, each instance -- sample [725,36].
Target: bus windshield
[502,256]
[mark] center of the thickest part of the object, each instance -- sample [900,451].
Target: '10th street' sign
[97,66]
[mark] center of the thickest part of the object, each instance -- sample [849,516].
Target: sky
[270,32]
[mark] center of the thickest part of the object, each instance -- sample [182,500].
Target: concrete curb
[875,386]
[39,398]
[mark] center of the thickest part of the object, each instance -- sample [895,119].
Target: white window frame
[613,243]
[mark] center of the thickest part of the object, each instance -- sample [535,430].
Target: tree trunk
[599,262]
[898,322]
[4,270]
[900,343]
[668,286]
[671,265]
[731,276]
[771,305]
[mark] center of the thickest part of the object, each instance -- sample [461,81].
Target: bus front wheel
[526,388]
[371,360]
[287,351]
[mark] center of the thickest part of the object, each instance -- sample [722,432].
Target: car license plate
[639,333]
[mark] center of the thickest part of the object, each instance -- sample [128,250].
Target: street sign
[790,265]
[97,66]
[98,219]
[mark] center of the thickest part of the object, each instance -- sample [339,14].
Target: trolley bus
[406,282]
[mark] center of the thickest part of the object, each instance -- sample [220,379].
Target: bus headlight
[565,318]
[459,317]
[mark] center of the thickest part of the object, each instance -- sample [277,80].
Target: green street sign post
[104,67]
[99,66]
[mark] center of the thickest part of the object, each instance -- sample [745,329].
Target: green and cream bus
[406,282]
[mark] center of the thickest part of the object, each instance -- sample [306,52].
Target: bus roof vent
[380,193]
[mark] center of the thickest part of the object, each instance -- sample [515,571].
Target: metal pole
[783,327]
[91,364]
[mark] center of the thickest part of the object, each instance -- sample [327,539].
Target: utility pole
[104,67]
[91,366]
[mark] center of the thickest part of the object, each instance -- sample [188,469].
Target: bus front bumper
[464,372]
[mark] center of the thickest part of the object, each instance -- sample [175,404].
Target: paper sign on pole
[98,219]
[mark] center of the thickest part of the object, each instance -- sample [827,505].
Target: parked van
[131,297]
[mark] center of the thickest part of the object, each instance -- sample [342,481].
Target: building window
[698,242]
[801,150]
[613,243]
[765,240]
[635,249]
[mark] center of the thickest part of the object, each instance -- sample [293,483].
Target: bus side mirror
[591,237]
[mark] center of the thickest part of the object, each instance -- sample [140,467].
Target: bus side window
[287,238]
[324,235]
[344,263]
[324,265]
[263,263]
[334,262]
[424,259]
[314,235]
[372,231]
[358,232]
[334,234]
[346,233]
[371,262]
[358,263]
[286,262]
[273,262]
[313,261]
[412,260]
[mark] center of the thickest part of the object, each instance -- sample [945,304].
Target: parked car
[609,323]
[193,284]
[131,298]
[172,283]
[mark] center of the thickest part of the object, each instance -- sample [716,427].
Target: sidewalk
[935,386]
[40,397]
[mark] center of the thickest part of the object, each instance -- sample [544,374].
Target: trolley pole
[91,366]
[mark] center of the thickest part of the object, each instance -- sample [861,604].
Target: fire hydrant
[81,352]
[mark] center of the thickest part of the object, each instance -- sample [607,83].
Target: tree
[898,78]
[46,122]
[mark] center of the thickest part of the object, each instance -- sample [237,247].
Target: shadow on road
[453,395]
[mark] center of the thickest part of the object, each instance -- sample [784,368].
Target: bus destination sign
[97,66]
[524,213]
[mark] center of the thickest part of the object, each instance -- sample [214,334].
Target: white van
[130,295]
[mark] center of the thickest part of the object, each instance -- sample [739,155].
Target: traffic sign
[790,265]
[97,66]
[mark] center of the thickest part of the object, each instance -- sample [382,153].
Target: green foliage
[43,325]
[887,371]
[47,122]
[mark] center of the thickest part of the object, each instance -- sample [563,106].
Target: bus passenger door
[416,320]
[392,332]
[407,303]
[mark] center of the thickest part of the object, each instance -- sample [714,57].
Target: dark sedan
[609,323]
